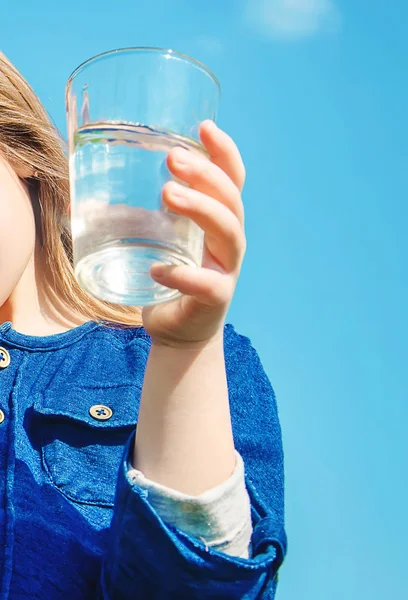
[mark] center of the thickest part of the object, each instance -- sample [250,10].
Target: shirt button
[100,412]
[2,417]
[4,358]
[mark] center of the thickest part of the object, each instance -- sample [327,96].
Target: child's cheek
[17,230]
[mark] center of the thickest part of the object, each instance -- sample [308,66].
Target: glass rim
[153,49]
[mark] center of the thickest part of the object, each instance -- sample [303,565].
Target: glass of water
[126,109]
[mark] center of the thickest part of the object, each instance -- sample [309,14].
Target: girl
[93,506]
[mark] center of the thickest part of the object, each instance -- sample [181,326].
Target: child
[124,432]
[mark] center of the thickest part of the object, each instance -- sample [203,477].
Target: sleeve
[220,517]
[148,559]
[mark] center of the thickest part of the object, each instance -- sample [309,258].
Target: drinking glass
[126,109]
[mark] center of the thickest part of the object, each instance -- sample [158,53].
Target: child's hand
[214,202]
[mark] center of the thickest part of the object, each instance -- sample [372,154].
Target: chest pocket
[82,438]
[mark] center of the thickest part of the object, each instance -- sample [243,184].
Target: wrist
[189,345]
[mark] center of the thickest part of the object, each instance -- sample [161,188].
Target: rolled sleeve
[220,517]
[150,559]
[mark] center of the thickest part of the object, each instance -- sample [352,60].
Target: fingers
[209,287]
[206,177]
[223,152]
[225,238]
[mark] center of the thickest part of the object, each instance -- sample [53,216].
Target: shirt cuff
[219,517]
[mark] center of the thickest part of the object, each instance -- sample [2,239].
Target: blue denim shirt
[72,524]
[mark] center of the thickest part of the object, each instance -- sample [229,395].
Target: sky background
[315,94]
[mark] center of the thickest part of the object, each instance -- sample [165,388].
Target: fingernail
[181,156]
[157,269]
[177,190]
[211,124]
[177,194]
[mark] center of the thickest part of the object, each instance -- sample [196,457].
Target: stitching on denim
[59,488]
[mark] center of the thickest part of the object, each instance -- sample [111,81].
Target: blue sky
[315,93]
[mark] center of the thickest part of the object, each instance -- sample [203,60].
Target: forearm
[184,436]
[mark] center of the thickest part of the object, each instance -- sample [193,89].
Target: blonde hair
[29,139]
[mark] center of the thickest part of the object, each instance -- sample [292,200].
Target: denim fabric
[72,524]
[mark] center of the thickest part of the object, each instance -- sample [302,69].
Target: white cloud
[292,19]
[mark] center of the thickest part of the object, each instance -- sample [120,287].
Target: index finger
[223,152]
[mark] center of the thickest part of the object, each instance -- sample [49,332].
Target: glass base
[120,273]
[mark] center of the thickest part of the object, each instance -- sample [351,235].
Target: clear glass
[126,109]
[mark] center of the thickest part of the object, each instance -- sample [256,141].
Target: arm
[184,435]
[184,452]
